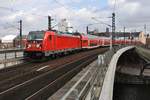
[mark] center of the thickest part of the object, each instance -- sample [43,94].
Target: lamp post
[113,26]
[124,28]
[50,23]
[87,27]
[20,29]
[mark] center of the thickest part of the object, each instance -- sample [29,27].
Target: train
[49,43]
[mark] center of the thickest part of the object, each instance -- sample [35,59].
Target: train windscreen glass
[37,35]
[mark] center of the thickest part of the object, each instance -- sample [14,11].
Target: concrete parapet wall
[107,88]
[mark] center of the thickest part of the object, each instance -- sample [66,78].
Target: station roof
[8,38]
[18,37]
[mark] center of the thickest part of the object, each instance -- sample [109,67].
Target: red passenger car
[92,41]
[84,41]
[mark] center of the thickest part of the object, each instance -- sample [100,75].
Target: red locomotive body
[45,43]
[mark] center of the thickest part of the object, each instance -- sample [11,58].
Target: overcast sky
[132,14]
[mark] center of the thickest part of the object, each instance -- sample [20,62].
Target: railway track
[33,84]
[16,70]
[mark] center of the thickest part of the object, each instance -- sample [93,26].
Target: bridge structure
[96,81]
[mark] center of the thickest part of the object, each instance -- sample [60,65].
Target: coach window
[84,41]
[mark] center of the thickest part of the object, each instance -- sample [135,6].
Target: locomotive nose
[34,45]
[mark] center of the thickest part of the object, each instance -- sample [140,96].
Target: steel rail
[28,83]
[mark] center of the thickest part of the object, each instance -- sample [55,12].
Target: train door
[103,42]
[80,44]
[52,42]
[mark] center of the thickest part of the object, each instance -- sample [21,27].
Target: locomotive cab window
[36,35]
[84,41]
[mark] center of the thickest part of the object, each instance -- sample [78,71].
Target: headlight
[38,45]
[29,46]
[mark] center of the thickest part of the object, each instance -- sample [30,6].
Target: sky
[132,14]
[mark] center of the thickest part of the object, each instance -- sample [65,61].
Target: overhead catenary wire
[61,4]
[115,4]
[65,7]
[70,9]
[8,25]
[9,9]
[56,1]
[16,10]
[116,13]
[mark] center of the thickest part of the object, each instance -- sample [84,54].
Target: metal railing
[10,56]
[103,64]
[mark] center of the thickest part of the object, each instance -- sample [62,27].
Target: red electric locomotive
[45,43]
